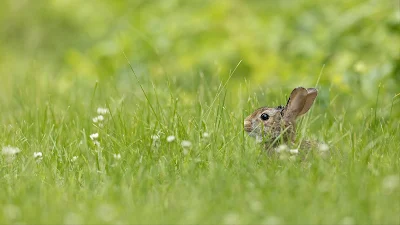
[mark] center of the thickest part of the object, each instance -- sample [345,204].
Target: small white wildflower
[101,125]
[324,147]
[155,137]
[37,155]
[390,183]
[117,156]
[170,138]
[102,111]
[259,139]
[206,135]
[281,148]
[94,136]
[186,144]
[98,118]
[74,158]
[8,150]
[97,143]
[294,151]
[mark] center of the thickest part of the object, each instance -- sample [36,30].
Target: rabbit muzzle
[248,126]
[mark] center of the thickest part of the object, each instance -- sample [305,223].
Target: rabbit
[276,126]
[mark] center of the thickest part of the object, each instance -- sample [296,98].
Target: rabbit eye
[264,116]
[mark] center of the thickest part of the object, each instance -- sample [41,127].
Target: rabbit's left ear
[311,95]
[300,101]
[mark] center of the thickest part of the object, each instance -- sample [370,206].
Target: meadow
[131,112]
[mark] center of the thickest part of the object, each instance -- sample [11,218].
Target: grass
[201,68]
[223,178]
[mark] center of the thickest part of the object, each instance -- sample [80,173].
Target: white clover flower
[186,144]
[155,137]
[294,151]
[37,155]
[117,156]
[206,135]
[10,151]
[281,148]
[98,118]
[94,136]
[323,147]
[74,158]
[170,138]
[97,143]
[102,111]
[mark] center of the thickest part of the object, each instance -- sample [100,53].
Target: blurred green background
[279,43]
[61,59]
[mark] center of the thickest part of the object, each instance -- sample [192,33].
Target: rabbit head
[279,123]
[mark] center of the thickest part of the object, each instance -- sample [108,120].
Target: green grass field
[64,64]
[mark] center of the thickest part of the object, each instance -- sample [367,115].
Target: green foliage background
[276,41]
[204,66]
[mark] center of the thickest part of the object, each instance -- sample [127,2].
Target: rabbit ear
[300,101]
[311,95]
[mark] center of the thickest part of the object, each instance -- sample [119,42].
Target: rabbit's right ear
[300,101]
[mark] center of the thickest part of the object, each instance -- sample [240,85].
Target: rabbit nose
[247,126]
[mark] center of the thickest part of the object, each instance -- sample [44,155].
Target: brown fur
[280,127]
